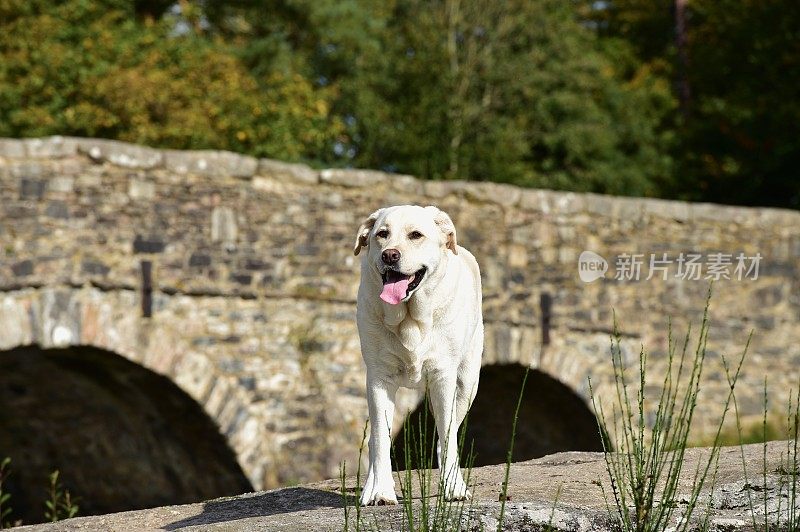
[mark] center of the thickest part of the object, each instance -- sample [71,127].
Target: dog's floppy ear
[363,232]
[446,226]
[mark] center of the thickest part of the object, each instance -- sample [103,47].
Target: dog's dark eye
[383,233]
[415,235]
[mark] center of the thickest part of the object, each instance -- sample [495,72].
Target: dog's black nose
[390,256]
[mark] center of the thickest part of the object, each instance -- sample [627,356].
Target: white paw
[459,495]
[378,498]
[378,493]
[456,489]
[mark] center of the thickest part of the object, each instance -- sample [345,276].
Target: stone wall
[235,278]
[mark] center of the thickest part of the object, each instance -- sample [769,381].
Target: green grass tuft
[646,469]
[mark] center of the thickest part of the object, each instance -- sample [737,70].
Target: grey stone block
[120,153]
[22,268]
[51,147]
[28,169]
[505,195]
[223,225]
[139,189]
[672,210]
[149,244]
[94,267]
[256,264]
[437,189]
[241,278]
[63,184]
[31,188]
[12,148]
[353,178]
[57,209]
[406,184]
[287,171]
[199,260]
[601,205]
[716,213]
[210,163]
[536,200]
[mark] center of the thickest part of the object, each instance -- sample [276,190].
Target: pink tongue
[393,293]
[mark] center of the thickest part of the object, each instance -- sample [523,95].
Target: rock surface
[564,490]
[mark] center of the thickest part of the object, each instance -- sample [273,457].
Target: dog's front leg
[379,486]
[443,397]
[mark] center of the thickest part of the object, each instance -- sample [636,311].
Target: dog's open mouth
[398,287]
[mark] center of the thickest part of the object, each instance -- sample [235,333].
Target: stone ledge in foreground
[563,489]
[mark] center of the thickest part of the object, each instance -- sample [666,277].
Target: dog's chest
[411,346]
[413,333]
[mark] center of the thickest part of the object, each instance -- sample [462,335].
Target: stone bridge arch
[109,399]
[121,436]
[555,414]
[552,418]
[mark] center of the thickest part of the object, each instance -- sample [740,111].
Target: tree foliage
[574,95]
[511,91]
[743,133]
[739,140]
[94,69]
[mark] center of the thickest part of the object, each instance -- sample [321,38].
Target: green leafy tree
[648,26]
[520,92]
[512,91]
[101,69]
[739,140]
[332,42]
[743,133]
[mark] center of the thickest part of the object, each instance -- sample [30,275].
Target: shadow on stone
[286,500]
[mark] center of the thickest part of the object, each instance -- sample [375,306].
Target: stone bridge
[186,318]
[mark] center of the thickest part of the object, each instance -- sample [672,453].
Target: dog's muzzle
[398,286]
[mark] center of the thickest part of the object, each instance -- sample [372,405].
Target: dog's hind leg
[468,377]
[463,400]
[466,389]
[446,412]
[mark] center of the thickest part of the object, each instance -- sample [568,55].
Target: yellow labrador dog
[420,324]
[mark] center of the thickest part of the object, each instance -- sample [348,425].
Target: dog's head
[405,244]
